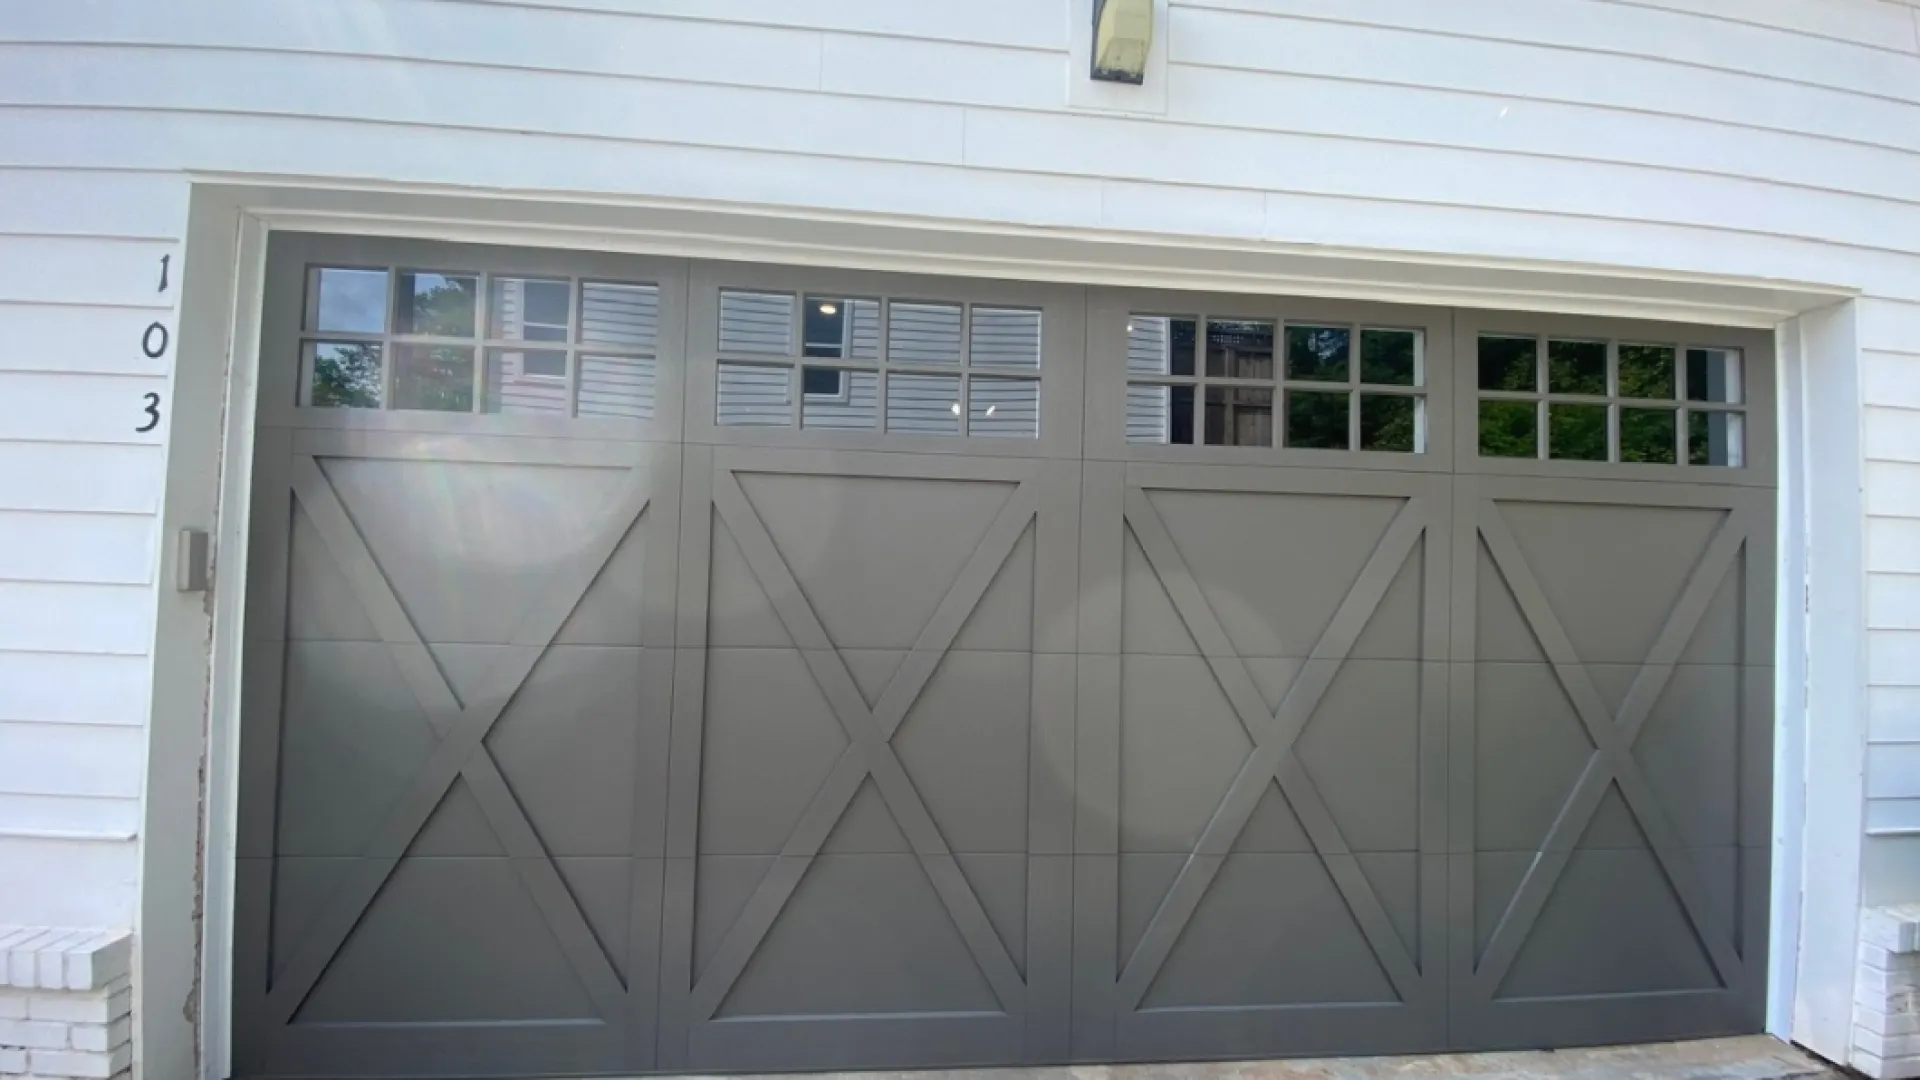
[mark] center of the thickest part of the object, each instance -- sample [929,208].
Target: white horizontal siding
[1525,72]
[59,759]
[54,617]
[1625,30]
[68,882]
[106,549]
[92,270]
[1891,434]
[73,688]
[1893,714]
[1891,379]
[1885,24]
[1893,489]
[63,817]
[81,478]
[1893,545]
[75,336]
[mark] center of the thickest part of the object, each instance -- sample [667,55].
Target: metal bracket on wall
[192,570]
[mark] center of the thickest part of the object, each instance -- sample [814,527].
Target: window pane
[1577,367]
[1508,429]
[1159,345]
[1317,353]
[1391,422]
[621,316]
[923,333]
[1577,432]
[1509,363]
[1390,357]
[1003,408]
[1716,438]
[434,378]
[1239,416]
[1239,349]
[753,396]
[1714,375]
[839,400]
[618,386]
[840,328]
[1316,421]
[440,305]
[1004,337]
[526,381]
[343,375]
[1647,371]
[1160,414]
[528,309]
[756,324]
[1647,435]
[348,301]
[923,404]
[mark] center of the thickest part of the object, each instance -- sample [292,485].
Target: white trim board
[196,697]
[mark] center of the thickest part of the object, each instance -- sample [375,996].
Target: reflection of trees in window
[442,306]
[433,377]
[1509,429]
[347,376]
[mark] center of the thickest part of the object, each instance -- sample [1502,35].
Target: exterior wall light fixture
[1122,35]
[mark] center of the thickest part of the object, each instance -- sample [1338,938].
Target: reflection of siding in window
[616,386]
[1148,407]
[1004,338]
[751,396]
[518,391]
[1003,408]
[624,317]
[923,334]
[923,405]
[756,323]
[854,407]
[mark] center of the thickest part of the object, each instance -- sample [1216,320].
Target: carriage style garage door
[658,665]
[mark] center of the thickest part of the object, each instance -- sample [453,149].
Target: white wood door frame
[196,708]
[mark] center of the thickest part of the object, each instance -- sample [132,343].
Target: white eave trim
[1079,256]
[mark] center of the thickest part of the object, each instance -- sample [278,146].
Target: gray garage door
[658,665]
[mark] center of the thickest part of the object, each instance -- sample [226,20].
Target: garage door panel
[770,740]
[448,940]
[464,570]
[965,743]
[1246,784]
[1274,567]
[1611,790]
[898,814]
[1242,945]
[350,742]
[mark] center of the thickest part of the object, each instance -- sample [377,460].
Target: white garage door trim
[195,717]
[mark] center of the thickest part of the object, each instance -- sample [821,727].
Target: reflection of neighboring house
[536,379]
[1149,352]
[922,399]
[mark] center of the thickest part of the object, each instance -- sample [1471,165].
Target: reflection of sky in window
[353,300]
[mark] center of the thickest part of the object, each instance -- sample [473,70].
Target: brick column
[66,1003]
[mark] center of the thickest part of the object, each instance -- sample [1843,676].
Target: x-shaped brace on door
[1273,758]
[462,750]
[870,749]
[1613,735]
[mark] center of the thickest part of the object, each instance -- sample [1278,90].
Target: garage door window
[426,340]
[1219,381]
[1620,401]
[910,367]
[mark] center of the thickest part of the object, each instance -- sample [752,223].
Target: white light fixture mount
[1122,37]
